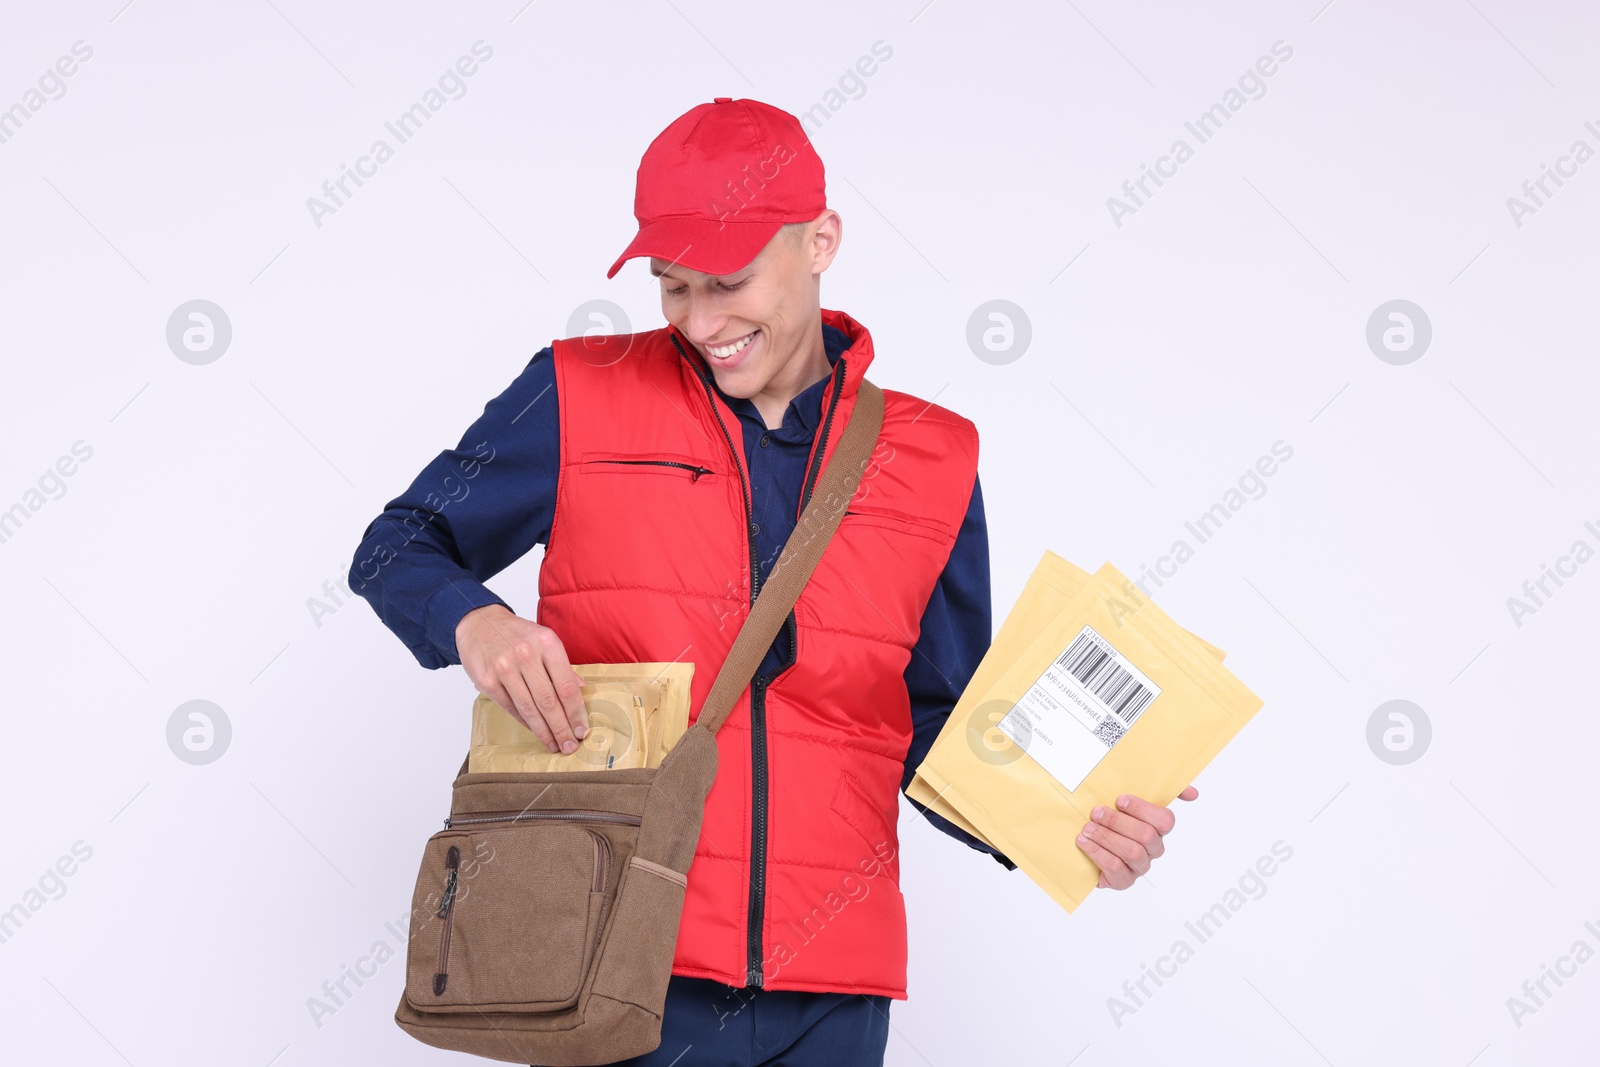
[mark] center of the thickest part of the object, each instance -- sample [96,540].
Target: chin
[739,382]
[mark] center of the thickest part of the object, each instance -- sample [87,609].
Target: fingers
[543,701]
[1154,814]
[523,667]
[1123,842]
[1114,870]
[1142,834]
[567,684]
[486,639]
[505,696]
[1130,846]
[539,686]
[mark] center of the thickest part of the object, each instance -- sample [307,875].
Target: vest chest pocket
[688,468]
[873,515]
[624,496]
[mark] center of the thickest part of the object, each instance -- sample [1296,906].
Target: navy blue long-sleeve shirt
[477,508]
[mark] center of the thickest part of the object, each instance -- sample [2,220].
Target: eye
[680,290]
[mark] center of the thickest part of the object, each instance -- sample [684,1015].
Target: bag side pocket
[636,960]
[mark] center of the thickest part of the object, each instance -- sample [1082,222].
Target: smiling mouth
[729,350]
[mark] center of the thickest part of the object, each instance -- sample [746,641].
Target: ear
[827,233]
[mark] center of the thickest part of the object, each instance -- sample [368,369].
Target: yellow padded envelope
[1053,583]
[1110,696]
[636,713]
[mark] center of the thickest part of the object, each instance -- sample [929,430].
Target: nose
[701,319]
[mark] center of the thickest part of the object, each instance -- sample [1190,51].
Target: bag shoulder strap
[801,553]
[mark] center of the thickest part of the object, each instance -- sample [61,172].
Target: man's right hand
[523,667]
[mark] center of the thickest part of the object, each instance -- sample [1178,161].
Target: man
[664,472]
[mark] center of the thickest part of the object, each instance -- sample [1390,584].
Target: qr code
[1109,730]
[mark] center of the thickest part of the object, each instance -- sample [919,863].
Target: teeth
[733,349]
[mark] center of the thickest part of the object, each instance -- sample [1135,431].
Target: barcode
[1097,670]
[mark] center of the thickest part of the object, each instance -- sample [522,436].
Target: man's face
[748,324]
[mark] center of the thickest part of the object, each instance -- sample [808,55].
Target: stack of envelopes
[1088,692]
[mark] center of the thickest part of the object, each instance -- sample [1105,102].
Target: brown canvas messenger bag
[545,914]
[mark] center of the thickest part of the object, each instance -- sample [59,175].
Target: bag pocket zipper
[575,814]
[602,847]
[602,860]
[447,910]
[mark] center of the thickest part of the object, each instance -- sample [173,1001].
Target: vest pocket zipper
[695,470]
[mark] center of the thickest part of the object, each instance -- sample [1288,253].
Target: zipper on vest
[822,441]
[758,735]
[758,732]
[758,688]
[758,833]
[758,739]
[694,471]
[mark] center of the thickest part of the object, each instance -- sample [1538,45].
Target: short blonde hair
[794,232]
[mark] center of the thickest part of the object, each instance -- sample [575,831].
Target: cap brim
[705,245]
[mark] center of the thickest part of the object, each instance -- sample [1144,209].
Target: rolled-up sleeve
[471,512]
[956,632]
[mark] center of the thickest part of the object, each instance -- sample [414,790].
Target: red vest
[795,880]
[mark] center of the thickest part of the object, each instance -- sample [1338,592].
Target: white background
[1227,313]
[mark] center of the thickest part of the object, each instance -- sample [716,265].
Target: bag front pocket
[508,909]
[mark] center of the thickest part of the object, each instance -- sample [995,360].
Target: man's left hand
[1123,841]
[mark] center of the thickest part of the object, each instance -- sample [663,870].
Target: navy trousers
[708,1024]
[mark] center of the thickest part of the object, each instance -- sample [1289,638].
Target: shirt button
[763,440]
[755,527]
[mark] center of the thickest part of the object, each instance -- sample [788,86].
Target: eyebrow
[658,273]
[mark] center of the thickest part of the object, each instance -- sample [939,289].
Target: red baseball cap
[717,184]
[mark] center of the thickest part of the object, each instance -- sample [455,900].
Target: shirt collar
[807,407]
